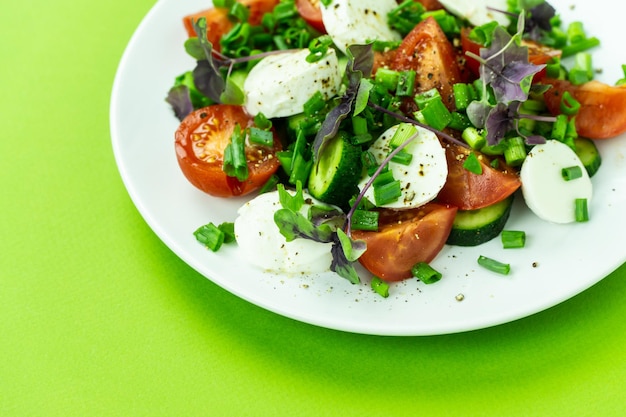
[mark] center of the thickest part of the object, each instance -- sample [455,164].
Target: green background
[99,318]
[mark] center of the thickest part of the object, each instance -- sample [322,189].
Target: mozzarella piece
[545,191]
[423,178]
[279,85]
[478,11]
[350,22]
[262,245]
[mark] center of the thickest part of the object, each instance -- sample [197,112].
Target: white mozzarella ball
[545,191]
[279,85]
[351,22]
[262,245]
[420,180]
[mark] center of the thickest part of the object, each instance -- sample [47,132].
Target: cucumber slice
[334,178]
[588,153]
[474,227]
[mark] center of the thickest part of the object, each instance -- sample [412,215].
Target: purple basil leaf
[539,19]
[340,263]
[208,81]
[178,97]
[207,76]
[535,140]
[360,65]
[514,81]
[477,111]
[500,121]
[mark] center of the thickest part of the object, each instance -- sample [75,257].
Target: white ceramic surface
[557,263]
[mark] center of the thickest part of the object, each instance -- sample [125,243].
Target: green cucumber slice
[588,153]
[335,176]
[475,227]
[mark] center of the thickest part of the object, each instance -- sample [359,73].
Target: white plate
[557,263]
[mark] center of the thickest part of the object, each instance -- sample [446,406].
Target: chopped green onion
[559,128]
[403,157]
[261,137]
[314,104]
[472,164]
[426,273]
[270,184]
[569,105]
[578,47]
[554,69]
[515,151]
[235,164]
[474,138]
[318,47]
[359,125]
[572,173]
[387,193]
[462,97]
[513,239]
[459,121]
[262,122]
[403,133]
[582,71]
[365,220]
[210,236]
[406,83]
[380,287]
[223,4]
[436,114]
[581,210]
[493,265]
[385,177]
[388,78]
[575,32]
[424,98]
[238,12]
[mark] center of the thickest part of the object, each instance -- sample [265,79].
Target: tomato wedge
[601,115]
[537,54]
[200,141]
[310,11]
[469,191]
[427,50]
[404,238]
[218,22]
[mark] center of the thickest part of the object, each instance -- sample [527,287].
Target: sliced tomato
[427,50]
[310,11]
[538,54]
[431,4]
[200,141]
[405,238]
[218,22]
[601,115]
[469,191]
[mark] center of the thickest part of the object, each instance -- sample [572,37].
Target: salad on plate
[369,135]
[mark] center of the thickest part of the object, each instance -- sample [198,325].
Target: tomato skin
[427,51]
[601,115]
[218,23]
[207,131]
[469,191]
[404,238]
[537,54]
[310,11]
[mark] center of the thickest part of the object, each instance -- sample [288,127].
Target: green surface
[99,318]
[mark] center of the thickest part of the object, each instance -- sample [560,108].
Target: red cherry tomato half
[310,11]
[405,238]
[427,51]
[469,191]
[602,112]
[200,141]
